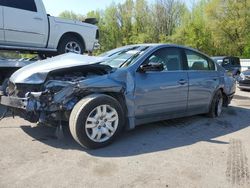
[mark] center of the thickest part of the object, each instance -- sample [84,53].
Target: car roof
[166,45]
[152,45]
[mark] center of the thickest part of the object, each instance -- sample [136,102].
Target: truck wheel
[96,121]
[216,105]
[70,44]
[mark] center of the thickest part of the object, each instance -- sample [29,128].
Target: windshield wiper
[129,60]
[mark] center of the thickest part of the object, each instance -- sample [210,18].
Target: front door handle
[182,82]
[38,18]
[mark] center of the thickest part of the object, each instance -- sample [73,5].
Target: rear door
[160,93]
[1,22]
[25,23]
[203,81]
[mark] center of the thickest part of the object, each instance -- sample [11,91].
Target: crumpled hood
[37,72]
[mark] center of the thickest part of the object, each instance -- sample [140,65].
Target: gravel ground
[187,152]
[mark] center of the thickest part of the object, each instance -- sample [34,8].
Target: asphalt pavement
[188,152]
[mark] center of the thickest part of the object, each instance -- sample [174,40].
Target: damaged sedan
[130,86]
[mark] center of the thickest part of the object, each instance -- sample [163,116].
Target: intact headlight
[242,76]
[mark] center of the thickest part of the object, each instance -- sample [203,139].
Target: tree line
[216,27]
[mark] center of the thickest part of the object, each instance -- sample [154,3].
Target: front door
[162,92]
[25,24]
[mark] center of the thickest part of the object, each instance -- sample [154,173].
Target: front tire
[216,105]
[96,121]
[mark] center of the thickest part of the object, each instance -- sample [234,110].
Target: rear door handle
[182,82]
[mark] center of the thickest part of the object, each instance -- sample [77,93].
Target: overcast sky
[55,7]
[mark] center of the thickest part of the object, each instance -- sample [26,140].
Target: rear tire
[96,121]
[216,105]
[70,44]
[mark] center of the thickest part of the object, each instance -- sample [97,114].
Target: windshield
[125,57]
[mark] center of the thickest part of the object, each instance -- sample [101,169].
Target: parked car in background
[99,96]
[231,64]
[25,26]
[244,80]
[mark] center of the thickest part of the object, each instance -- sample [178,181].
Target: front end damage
[46,92]
[58,98]
[51,104]
[49,95]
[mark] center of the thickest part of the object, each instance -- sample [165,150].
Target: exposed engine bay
[76,74]
[72,75]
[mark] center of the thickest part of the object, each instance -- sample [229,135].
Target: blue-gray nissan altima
[129,86]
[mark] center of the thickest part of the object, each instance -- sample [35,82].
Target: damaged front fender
[102,84]
[61,95]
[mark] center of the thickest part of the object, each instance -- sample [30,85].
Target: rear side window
[197,61]
[28,5]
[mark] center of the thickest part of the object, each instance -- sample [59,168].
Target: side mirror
[152,67]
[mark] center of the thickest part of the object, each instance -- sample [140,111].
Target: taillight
[97,34]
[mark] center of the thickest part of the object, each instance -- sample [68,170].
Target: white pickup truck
[25,26]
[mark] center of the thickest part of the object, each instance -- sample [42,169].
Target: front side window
[28,5]
[169,57]
[197,61]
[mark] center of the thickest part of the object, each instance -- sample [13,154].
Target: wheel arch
[77,35]
[214,93]
[120,98]
[224,95]
[225,98]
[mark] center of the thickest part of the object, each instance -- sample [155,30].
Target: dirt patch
[237,166]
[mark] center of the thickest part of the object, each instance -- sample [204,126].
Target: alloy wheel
[73,47]
[102,123]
